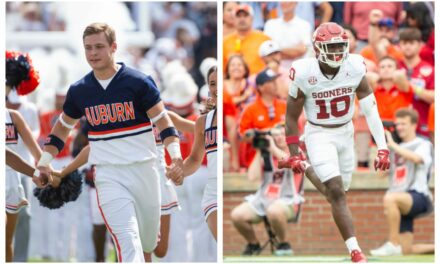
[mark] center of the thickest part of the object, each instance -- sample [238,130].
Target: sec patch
[292,73]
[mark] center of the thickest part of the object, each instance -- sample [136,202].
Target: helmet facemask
[333,52]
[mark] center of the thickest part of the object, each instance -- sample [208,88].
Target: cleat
[358,257]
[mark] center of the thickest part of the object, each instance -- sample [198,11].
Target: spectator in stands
[408,196]
[353,44]
[237,84]
[164,51]
[420,73]
[245,40]
[307,11]
[163,16]
[237,91]
[263,11]
[419,16]
[393,90]
[229,17]
[185,31]
[357,15]
[263,114]
[381,35]
[338,12]
[205,16]
[187,42]
[32,19]
[352,37]
[270,52]
[290,32]
[277,198]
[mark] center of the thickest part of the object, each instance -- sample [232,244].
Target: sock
[352,244]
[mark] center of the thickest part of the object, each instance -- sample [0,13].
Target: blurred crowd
[395,38]
[182,49]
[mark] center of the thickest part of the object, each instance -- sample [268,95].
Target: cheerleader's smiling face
[212,83]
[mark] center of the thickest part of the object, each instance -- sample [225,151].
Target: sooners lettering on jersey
[328,101]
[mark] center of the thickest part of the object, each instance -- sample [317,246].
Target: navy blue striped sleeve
[69,107]
[150,94]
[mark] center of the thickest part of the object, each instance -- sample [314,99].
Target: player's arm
[181,124]
[14,161]
[26,134]
[170,138]
[80,160]
[368,105]
[169,135]
[194,160]
[58,136]
[294,110]
[53,145]
[295,103]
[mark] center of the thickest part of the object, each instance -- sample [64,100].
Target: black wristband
[168,132]
[54,141]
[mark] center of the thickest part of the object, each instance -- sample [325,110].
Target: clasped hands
[175,171]
[47,176]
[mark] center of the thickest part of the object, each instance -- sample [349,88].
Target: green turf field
[111,257]
[328,259]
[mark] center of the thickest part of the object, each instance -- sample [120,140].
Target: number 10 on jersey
[324,112]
